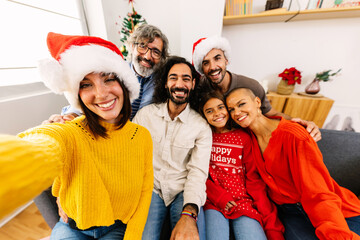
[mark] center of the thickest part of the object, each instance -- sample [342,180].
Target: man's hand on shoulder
[57,118]
[311,127]
[186,228]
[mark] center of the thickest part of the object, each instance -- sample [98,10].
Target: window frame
[17,91]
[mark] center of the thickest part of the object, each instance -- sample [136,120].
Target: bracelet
[190,214]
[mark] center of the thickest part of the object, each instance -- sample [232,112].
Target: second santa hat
[204,45]
[76,56]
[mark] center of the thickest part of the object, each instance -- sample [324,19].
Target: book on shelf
[238,7]
[296,5]
[328,4]
[314,4]
[347,3]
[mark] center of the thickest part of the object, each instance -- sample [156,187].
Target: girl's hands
[230,205]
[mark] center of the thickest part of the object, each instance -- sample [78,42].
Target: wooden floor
[27,225]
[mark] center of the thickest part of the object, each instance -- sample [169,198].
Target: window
[24,27]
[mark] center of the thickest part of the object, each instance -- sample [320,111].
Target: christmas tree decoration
[132,21]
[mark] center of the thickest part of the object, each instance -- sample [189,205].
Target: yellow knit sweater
[98,180]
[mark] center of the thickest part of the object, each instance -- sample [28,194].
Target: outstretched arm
[26,169]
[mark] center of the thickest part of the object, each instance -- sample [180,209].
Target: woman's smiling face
[102,94]
[243,107]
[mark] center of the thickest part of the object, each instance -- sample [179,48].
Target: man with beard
[181,152]
[148,49]
[211,57]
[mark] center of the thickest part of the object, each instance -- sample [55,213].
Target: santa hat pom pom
[51,73]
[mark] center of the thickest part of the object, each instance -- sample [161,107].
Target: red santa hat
[76,56]
[204,45]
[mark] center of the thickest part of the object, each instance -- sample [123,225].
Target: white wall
[25,112]
[262,51]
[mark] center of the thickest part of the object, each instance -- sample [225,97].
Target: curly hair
[149,33]
[161,76]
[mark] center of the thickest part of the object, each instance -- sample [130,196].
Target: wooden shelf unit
[306,108]
[282,16]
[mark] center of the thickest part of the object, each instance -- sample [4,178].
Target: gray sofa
[341,153]
[340,149]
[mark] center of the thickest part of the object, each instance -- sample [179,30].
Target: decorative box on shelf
[313,109]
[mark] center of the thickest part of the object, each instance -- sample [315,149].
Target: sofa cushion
[341,152]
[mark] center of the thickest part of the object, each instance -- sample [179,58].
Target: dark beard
[220,80]
[179,101]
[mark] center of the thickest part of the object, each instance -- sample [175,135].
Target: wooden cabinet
[284,16]
[307,108]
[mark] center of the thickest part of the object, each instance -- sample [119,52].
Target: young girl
[311,204]
[101,162]
[236,195]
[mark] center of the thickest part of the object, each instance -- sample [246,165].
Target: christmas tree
[129,24]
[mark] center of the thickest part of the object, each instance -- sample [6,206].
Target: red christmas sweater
[234,177]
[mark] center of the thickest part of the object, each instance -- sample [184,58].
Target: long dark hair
[161,75]
[92,119]
[205,97]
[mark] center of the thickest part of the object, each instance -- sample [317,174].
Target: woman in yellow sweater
[101,162]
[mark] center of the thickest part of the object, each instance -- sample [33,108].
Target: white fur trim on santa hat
[51,73]
[78,61]
[205,46]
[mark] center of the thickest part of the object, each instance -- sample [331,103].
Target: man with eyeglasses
[148,49]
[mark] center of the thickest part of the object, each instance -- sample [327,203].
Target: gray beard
[140,69]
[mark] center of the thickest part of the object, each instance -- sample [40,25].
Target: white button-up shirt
[181,155]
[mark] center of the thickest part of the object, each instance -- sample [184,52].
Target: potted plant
[314,86]
[289,77]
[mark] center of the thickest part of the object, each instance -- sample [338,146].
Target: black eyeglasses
[143,49]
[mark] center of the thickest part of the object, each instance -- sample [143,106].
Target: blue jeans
[63,231]
[157,216]
[244,228]
[298,226]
